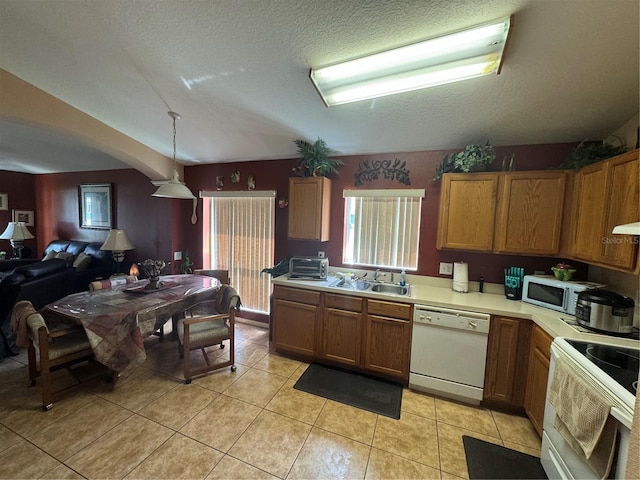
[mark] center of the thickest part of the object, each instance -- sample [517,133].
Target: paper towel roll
[461,277]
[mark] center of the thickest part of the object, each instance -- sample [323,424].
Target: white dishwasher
[448,352]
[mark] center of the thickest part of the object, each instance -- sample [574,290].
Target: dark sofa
[43,282]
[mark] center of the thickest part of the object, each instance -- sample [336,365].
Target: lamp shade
[117,241]
[16,231]
[174,188]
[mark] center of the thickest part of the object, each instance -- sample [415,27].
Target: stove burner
[620,363]
[611,356]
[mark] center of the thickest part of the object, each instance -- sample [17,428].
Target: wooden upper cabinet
[589,207]
[623,207]
[606,195]
[309,204]
[467,211]
[530,208]
[507,212]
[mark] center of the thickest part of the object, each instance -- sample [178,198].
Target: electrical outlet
[446,268]
[321,254]
[177,255]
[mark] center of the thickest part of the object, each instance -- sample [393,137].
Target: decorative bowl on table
[152,269]
[563,273]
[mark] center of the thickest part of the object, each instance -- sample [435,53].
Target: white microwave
[546,291]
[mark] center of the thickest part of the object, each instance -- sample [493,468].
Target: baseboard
[252,322]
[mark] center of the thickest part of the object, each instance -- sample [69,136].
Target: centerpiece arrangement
[152,269]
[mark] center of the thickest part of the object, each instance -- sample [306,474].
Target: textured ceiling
[237,72]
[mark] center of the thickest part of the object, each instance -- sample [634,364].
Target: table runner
[116,322]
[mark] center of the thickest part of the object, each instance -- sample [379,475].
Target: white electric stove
[612,371]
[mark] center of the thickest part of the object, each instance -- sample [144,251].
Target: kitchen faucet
[378,273]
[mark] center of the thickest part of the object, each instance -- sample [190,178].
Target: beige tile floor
[248,424]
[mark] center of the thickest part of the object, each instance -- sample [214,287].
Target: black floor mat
[372,394]
[486,460]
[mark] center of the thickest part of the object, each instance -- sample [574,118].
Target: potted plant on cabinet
[316,159]
[474,158]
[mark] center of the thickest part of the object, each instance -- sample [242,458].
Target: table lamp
[16,233]
[118,243]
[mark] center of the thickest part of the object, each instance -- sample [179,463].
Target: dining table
[118,319]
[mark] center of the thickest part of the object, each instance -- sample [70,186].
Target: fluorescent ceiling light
[467,54]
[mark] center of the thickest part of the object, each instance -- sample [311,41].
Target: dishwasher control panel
[450,318]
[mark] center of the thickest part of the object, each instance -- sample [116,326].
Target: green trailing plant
[474,158]
[587,153]
[316,159]
[186,266]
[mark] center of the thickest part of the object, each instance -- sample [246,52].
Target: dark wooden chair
[59,345]
[209,323]
[222,275]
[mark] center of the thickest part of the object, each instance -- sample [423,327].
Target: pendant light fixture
[174,188]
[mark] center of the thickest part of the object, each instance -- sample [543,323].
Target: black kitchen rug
[360,391]
[486,460]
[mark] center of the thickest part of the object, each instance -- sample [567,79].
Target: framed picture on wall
[4,201]
[25,216]
[95,204]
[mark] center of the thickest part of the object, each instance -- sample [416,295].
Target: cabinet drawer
[343,302]
[297,295]
[389,309]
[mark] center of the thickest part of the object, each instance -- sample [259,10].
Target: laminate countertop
[437,292]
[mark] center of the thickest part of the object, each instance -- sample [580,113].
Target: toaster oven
[311,268]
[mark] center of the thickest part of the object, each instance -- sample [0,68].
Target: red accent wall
[158,227]
[273,175]
[20,188]
[149,221]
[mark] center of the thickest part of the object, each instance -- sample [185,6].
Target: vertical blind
[239,237]
[382,227]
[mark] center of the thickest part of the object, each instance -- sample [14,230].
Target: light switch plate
[177,255]
[446,268]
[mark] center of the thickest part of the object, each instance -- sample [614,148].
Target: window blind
[239,237]
[382,227]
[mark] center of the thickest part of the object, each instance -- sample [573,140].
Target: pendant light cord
[175,116]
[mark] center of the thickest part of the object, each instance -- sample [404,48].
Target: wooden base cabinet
[507,361]
[342,329]
[296,321]
[539,358]
[388,338]
[367,335]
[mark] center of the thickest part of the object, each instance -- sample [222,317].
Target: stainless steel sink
[390,288]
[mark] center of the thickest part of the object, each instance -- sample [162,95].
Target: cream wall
[629,132]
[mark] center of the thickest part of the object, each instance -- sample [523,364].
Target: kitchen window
[382,228]
[238,231]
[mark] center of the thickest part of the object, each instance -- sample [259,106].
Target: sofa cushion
[51,254]
[13,279]
[76,247]
[41,268]
[66,256]
[57,246]
[81,262]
